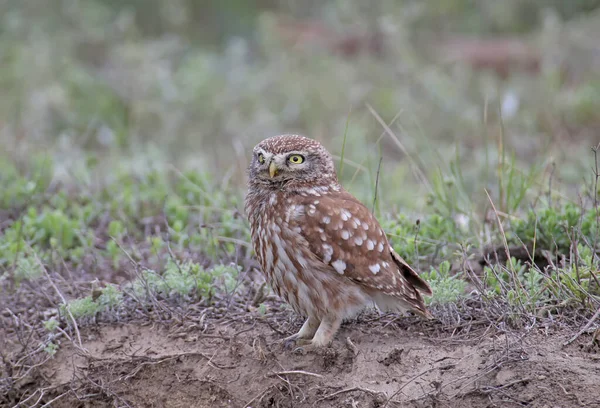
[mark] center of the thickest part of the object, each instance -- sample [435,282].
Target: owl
[320,248]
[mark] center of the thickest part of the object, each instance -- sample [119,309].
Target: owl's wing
[342,233]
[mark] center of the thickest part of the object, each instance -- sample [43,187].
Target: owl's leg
[324,334]
[309,328]
[307,331]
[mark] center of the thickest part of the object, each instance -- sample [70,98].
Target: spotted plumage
[320,248]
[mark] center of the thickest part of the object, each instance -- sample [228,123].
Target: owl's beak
[272,169]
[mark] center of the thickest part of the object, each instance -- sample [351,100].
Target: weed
[446,288]
[51,349]
[27,268]
[51,324]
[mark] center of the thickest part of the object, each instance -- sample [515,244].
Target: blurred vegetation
[200,77]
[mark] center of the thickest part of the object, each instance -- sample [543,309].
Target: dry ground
[376,361]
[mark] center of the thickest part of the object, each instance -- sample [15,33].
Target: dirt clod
[393,357]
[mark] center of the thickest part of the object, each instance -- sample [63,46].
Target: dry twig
[300,372]
[346,390]
[583,330]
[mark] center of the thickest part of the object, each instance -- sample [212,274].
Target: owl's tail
[414,286]
[395,304]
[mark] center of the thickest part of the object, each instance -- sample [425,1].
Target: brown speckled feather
[361,252]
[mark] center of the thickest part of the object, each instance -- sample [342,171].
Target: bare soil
[375,361]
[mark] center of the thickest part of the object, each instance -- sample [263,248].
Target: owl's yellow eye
[296,159]
[261,158]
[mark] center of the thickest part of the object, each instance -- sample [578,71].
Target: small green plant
[81,308]
[115,253]
[262,309]
[51,349]
[446,288]
[428,237]
[186,279]
[110,298]
[116,229]
[46,229]
[551,228]
[51,324]
[24,188]
[27,268]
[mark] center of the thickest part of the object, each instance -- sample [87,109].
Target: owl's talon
[300,350]
[305,346]
[289,342]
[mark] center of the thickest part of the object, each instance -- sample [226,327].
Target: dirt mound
[374,362]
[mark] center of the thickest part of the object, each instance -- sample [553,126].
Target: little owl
[320,249]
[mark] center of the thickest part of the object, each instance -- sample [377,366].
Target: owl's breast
[281,250]
[262,210]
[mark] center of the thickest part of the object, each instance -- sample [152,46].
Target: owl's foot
[295,342]
[289,342]
[305,346]
[323,336]
[308,330]
[310,346]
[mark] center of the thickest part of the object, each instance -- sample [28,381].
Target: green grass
[175,232]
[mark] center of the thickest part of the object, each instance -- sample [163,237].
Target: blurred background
[437,88]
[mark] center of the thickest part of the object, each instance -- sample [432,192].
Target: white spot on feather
[327,252]
[345,234]
[345,214]
[358,241]
[374,268]
[326,219]
[339,266]
[370,244]
[380,247]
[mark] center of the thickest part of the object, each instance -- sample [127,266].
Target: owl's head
[291,161]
